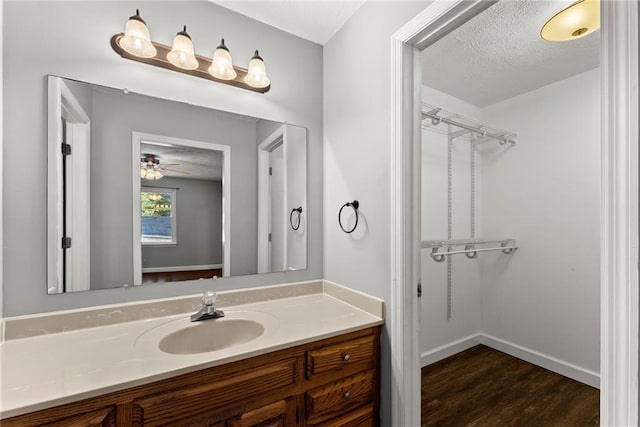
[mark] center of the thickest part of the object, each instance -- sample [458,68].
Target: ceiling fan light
[576,21]
[143,172]
[222,64]
[181,54]
[157,174]
[136,39]
[257,73]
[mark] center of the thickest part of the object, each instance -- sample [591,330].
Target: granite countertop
[50,369]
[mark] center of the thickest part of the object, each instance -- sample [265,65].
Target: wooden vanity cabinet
[331,382]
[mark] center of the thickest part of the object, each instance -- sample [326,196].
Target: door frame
[619,205]
[270,143]
[139,137]
[61,103]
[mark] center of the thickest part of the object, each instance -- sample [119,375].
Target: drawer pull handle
[346,395]
[346,358]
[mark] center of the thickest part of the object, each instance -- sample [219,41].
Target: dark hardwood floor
[180,276]
[484,387]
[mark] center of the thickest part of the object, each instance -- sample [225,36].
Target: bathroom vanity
[316,363]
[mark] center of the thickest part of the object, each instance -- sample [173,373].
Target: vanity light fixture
[578,20]
[136,45]
[181,54]
[257,75]
[222,64]
[136,39]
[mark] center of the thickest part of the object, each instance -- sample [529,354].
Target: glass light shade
[222,64]
[181,54]
[149,174]
[157,174]
[257,73]
[136,39]
[143,172]
[578,20]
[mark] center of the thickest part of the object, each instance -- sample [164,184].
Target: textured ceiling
[312,20]
[186,162]
[500,54]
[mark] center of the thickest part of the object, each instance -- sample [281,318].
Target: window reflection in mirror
[158,216]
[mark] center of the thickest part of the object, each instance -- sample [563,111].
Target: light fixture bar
[160,60]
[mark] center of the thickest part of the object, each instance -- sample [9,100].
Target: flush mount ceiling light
[136,45]
[578,20]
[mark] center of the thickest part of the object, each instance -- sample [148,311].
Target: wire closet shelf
[458,126]
[440,249]
[476,131]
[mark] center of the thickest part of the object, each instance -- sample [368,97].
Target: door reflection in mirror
[182,187]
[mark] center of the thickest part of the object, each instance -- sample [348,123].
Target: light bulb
[257,73]
[578,20]
[136,40]
[222,64]
[181,54]
[143,172]
[157,174]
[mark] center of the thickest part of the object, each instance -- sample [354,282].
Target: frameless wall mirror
[143,190]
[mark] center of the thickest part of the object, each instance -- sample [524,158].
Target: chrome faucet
[208,311]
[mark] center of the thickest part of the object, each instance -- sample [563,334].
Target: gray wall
[357,78]
[76,45]
[198,225]
[115,116]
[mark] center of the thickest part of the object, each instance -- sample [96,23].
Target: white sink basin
[183,337]
[211,335]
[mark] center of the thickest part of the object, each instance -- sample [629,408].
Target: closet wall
[437,330]
[546,191]
[543,302]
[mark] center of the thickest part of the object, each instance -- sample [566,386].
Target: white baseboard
[181,268]
[547,362]
[447,350]
[551,363]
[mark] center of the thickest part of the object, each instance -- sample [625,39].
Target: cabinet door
[277,414]
[101,418]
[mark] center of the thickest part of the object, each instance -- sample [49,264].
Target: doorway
[618,368]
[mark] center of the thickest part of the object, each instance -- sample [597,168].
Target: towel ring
[299,211]
[353,205]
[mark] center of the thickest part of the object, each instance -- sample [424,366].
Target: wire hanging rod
[436,119]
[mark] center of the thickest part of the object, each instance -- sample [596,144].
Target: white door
[277,232]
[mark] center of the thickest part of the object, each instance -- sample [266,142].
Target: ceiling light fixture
[136,45]
[578,20]
[150,167]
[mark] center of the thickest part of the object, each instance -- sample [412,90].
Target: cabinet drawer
[169,407]
[336,357]
[332,399]
[361,417]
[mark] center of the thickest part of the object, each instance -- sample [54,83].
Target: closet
[510,226]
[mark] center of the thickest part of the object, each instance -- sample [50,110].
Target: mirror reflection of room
[181,199]
[148,190]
